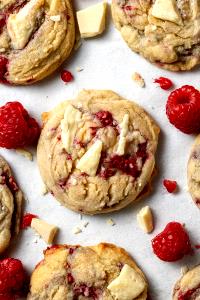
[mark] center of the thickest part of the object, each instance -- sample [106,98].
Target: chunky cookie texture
[193,172]
[188,287]
[36,36]
[97,272]
[164,32]
[11,200]
[96,153]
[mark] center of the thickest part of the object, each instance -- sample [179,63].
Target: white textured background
[108,64]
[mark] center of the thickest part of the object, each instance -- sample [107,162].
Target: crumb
[25,153]
[138,79]
[85,224]
[110,222]
[44,189]
[79,69]
[76,230]
[184,270]
[80,217]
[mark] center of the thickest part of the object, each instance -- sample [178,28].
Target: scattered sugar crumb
[44,189]
[76,230]
[35,241]
[25,153]
[184,270]
[85,224]
[55,18]
[79,69]
[138,79]
[110,222]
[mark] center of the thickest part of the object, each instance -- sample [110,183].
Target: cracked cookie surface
[11,201]
[96,153]
[76,272]
[36,36]
[164,32]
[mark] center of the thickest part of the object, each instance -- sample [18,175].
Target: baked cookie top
[193,172]
[11,200]
[36,36]
[98,272]
[96,153]
[188,287]
[164,32]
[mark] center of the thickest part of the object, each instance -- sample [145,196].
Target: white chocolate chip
[122,137]
[45,230]
[111,222]
[145,219]
[25,153]
[76,230]
[55,18]
[138,79]
[167,11]
[79,69]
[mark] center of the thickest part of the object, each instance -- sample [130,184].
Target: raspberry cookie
[193,172]
[96,153]
[36,36]
[164,32]
[98,272]
[188,287]
[11,200]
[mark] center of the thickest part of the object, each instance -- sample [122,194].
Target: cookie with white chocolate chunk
[36,36]
[164,32]
[104,272]
[11,201]
[96,153]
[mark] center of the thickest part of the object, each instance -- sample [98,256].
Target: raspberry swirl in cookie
[96,153]
[36,36]
[164,32]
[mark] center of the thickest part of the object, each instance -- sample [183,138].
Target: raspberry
[105,117]
[172,243]
[66,76]
[3,69]
[170,185]
[27,219]
[165,83]
[183,109]
[12,278]
[17,128]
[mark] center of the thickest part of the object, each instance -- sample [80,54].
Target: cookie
[98,272]
[164,32]
[96,152]
[187,288]
[36,36]
[11,201]
[193,172]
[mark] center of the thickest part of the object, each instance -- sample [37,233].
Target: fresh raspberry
[183,109]
[27,219]
[66,76]
[170,185]
[12,278]
[172,243]
[17,128]
[3,69]
[165,83]
[105,117]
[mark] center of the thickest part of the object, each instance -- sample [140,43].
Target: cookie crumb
[44,190]
[138,79]
[79,69]
[25,153]
[111,222]
[76,230]
[55,18]
[184,270]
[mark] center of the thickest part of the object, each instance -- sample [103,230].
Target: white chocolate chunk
[25,153]
[110,222]
[92,20]
[69,126]
[138,79]
[166,10]
[90,160]
[21,25]
[122,136]
[76,230]
[55,18]
[145,219]
[45,230]
[128,285]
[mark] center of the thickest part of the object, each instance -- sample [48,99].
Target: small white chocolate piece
[145,219]
[90,160]
[92,20]
[167,11]
[128,285]
[45,230]
[123,132]
[138,79]
[55,18]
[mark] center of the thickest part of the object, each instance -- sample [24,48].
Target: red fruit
[172,243]
[12,278]
[105,117]
[17,128]
[3,69]
[66,76]
[183,109]
[170,185]
[165,83]
[27,219]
